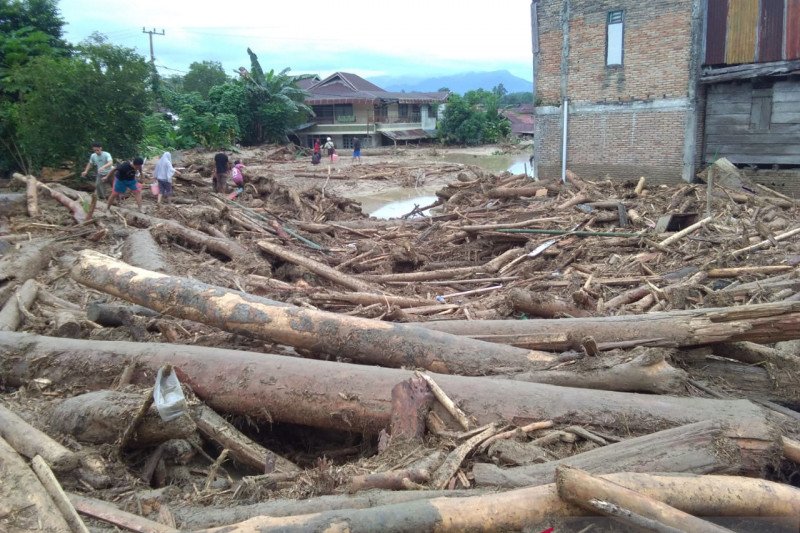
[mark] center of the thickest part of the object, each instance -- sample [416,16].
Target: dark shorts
[357,152]
[122,186]
[164,188]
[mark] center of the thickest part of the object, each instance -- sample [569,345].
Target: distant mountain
[457,83]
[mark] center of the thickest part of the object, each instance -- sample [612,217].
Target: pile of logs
[532,355]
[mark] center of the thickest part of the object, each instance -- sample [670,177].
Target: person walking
[125,180]
[357,149]
[104,163]
[331,150]
[316,146]
[163,173]
[221,165]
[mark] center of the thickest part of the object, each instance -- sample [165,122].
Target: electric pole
[151,33]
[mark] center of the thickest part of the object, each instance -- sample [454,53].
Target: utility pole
[151,33]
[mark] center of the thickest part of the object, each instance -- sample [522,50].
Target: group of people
[330,149]
[127,176]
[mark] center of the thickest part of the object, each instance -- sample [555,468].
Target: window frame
[621,23]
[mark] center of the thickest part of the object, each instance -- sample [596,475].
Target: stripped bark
[765,323]
[32,197]
[24,502]
[368,298]
[30,442]
[544,306]
[362,340]
[55,491]
[411,401]
[75,207]
[11,314]
[109,513]
[265,387]
[693,448]
[141,250]
[537,508]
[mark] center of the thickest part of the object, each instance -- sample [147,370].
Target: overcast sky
[369,38]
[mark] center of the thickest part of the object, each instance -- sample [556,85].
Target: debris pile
[517,355]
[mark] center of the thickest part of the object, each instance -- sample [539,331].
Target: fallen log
[218,430]
[30,442]
[24,502]
[25,262]
[407,478]
[141,250]
[13,204]
[265,386]
[584,490]
[109,513]
[11,314]
[411,401]
[764,323]
[538,508]
[53,488]
[32,198]
[747,270]
[693,448]
[75,207]
[316,267]
[517,192]
[102,416]
[369,298]
[542,305]
[362,340]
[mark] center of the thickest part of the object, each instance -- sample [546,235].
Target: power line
[151,33]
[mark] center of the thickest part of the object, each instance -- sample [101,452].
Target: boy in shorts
[126,181]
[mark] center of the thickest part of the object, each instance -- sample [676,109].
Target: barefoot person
[104,163]
[163,174]
[125,180]
[221,167]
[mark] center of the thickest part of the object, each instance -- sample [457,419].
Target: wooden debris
[30,442]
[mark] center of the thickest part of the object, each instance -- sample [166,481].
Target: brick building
[636,77]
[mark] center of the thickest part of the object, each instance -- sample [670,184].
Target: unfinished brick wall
[620,145]
[656,49]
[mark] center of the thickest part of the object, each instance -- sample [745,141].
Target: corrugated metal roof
[770,31]
[716,23]
[410,135]
[793,29]
[740,44]
[343,87]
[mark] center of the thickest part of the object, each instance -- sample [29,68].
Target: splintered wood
[486,338]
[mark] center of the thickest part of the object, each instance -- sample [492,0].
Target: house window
[344,113]
[761,107]
[402,110]
[614,36]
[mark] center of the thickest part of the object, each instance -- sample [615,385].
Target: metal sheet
[792,29]
[715,31]
[770,31]
[740,41]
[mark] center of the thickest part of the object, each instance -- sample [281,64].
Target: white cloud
[370,36]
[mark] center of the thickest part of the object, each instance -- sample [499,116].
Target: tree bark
[580,488]
[542,305]
[265,386]
[115,315]
[75,207]
[10,314]
[101,417]
[364,298]
[53,487]
[218,430]
[693,448]
[109,513]
[360,339]
[30,442]
[764,323]
[13,204]
[537,508]
[141,250]
[411,401]
[24,503]
[32,197]
[24,263]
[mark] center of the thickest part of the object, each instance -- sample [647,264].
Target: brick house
[658,88]
[346,107]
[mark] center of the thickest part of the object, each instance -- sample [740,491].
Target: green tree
[98,94]
[204,76]
[473,119]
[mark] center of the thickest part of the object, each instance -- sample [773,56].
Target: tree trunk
[693,448]
[582,489]
[537,508]
[107,512]
[542,305]
[13,204]
[411,401]
[67,324]
[363,340]
[101,417]
[764,323]
[30,442]
[32,198]
[364,298]
[141,250]
[10,314]
[24,503]
[24,263]
[264,385]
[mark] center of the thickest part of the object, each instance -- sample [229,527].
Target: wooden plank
[724,108]
[740,41]
[770,31]
[723,120]
[757,160]
[756,149]
[726,129]
[761,113]
[787,96]
[716,24]
[754,138]
[785,107]
[786,118]
[792,29]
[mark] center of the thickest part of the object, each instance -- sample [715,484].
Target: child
[237,175]
[163,174]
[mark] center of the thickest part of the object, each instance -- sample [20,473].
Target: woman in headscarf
[163,173]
